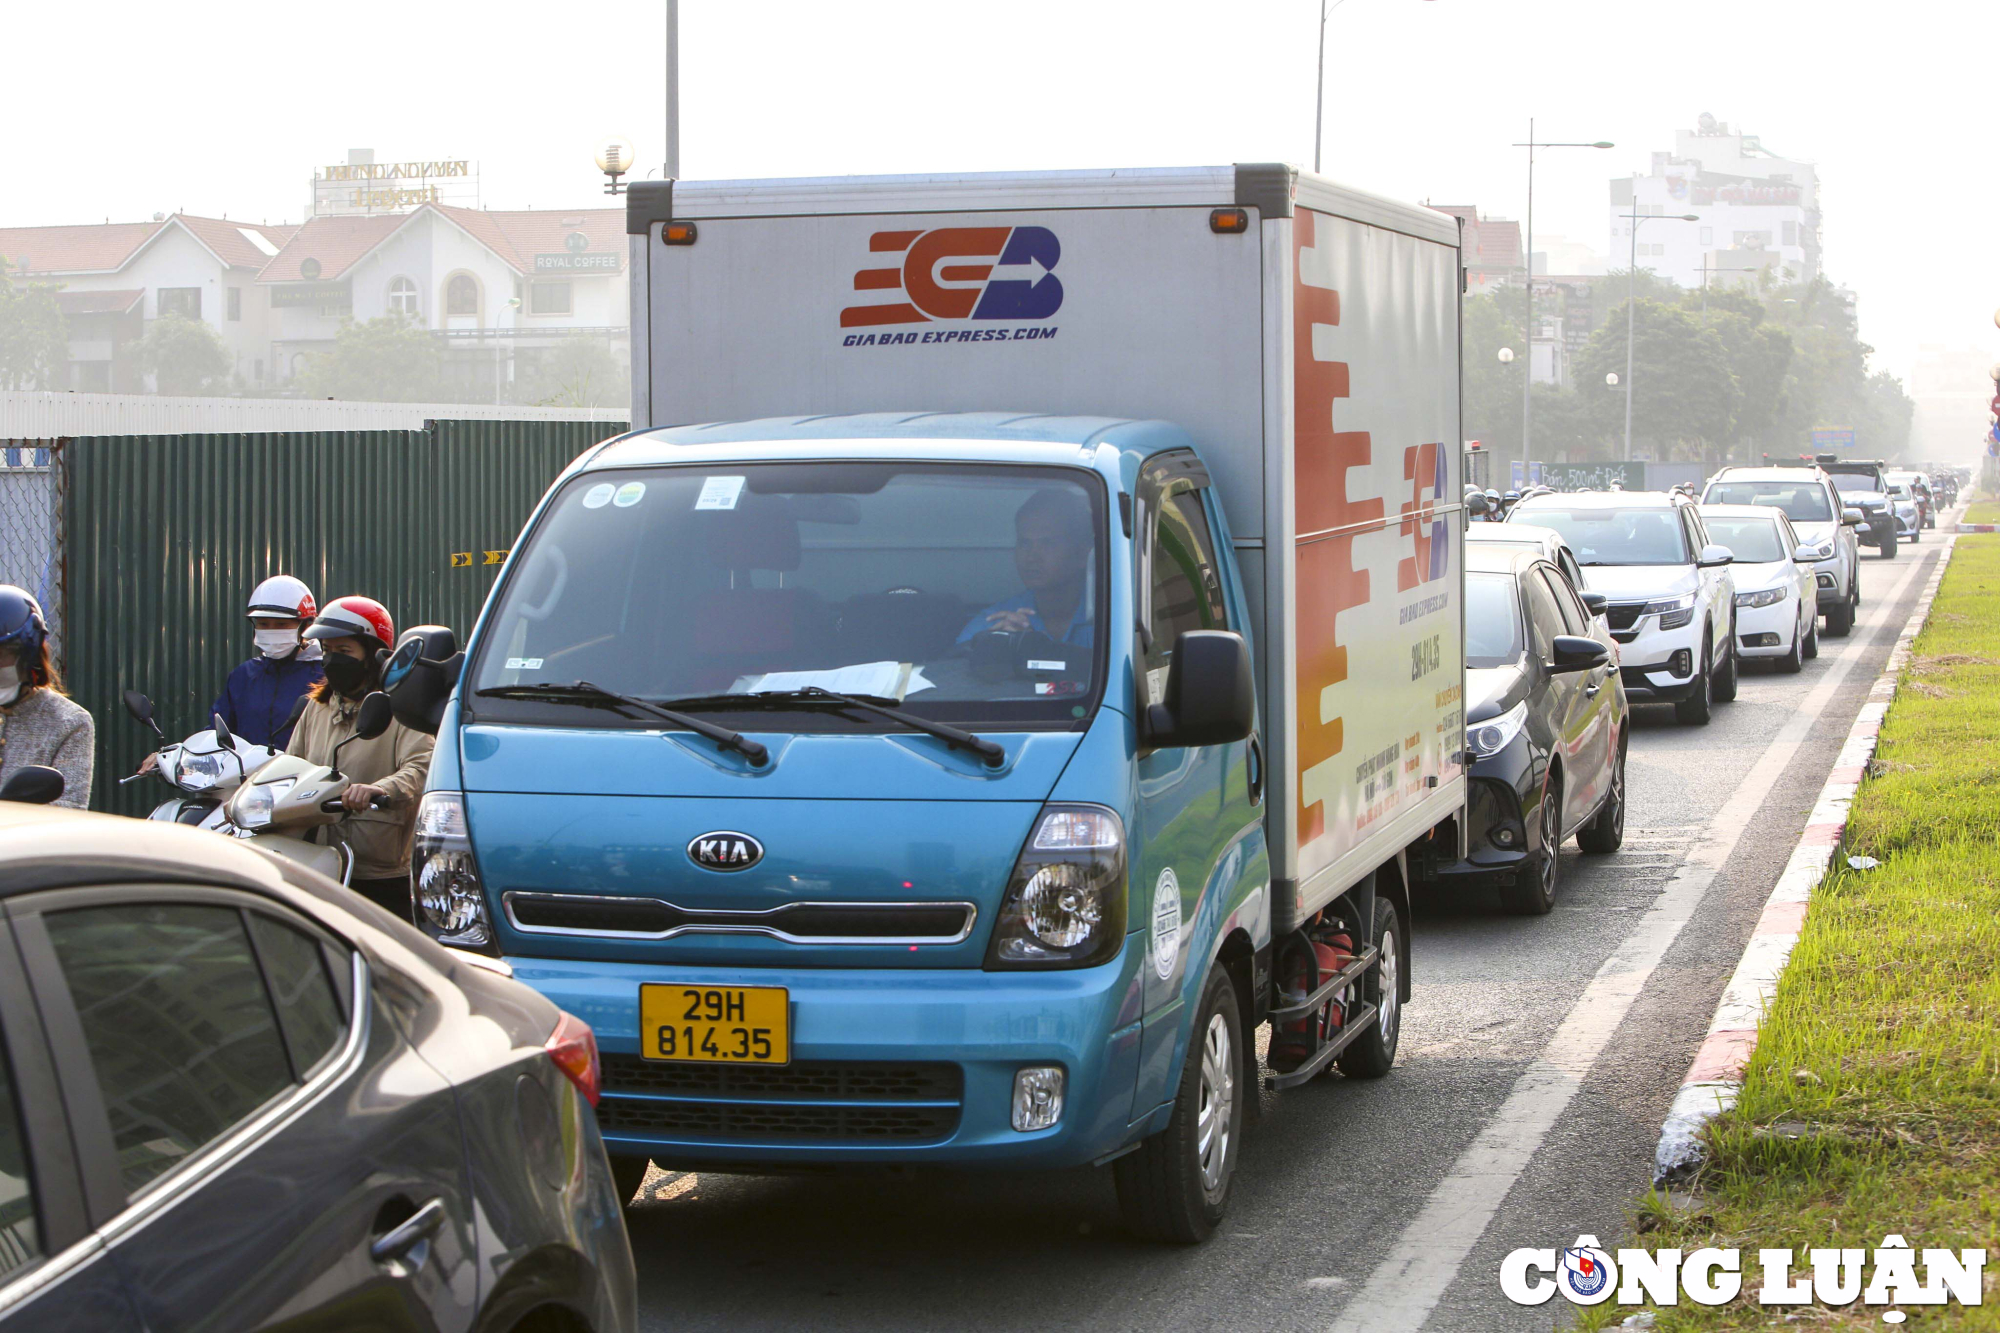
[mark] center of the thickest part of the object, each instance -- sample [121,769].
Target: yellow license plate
[747,1025]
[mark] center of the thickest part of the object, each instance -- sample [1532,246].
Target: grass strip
[1983,511]
[1872,1105]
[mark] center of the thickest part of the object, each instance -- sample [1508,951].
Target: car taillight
[573,1046]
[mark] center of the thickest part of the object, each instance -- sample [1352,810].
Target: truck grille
[797,923]
[820,1101]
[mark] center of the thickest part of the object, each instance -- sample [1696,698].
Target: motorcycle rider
[257,698]
[39,724]
[356,634]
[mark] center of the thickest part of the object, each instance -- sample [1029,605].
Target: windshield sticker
[1034,665]
[629,494]
[599,495]
[719,493]
[524,664]
[1166,923]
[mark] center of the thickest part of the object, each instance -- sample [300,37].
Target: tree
[34,343]
[1491,390]
[577,372]
[1684,396]
[389,359]
[184,356]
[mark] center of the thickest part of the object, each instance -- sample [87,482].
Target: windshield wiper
[812,696]
[583,692]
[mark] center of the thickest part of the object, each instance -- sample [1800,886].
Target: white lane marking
[1406,1287]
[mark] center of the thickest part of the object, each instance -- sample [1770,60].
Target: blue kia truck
[1017,651]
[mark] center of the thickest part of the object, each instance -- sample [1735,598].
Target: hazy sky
[120,109]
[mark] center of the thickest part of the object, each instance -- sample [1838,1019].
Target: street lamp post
[1631,306]
[1528,265]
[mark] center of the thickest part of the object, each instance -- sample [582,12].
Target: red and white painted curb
[1716,1075]
[1977,527]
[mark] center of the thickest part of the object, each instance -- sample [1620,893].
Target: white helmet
[282,597]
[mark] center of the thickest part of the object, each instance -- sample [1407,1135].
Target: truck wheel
[1725,679]
[1175,1186]
[1375,1050]
[628,1174]
[1887,550]
[1533,892]
[1697,708]
[1606,833]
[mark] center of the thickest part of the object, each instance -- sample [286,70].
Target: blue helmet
[21,623]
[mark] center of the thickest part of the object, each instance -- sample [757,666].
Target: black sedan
[238,1096]
[1546,727]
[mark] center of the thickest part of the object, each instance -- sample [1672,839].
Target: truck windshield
[1492,621]
[1802,501]
[1607,536]
[1849,483]
[965,594]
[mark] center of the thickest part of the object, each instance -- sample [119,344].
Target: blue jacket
[258,697]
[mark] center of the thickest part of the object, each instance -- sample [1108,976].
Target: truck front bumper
[887,1067]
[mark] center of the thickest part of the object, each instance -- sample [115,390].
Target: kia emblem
[723,850]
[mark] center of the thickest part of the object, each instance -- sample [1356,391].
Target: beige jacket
[397,761]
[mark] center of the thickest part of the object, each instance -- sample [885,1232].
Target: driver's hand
[150,762]
[357,796]
[1011,622]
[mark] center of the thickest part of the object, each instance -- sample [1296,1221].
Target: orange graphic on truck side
[1324,524]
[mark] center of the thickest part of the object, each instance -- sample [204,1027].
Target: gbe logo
[961,273]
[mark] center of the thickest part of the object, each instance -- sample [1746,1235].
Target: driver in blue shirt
[1052,555]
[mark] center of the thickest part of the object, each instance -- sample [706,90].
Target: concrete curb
[1977,527]
[1716,1076]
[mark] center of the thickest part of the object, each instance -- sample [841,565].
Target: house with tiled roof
[112,278]
[1492,248]
[500,288]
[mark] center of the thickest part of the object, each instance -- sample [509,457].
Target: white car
[1776,612]
[1903,499]
[1670,598]
[1820,517]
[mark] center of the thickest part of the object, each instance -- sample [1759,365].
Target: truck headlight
[1767,597]
[1488,738]
[451,901]
[1065,901]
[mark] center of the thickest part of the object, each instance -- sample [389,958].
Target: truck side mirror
[1211,697]
[1851,518]
[1713,556]
[36,784]
[421,674]
[1573,652]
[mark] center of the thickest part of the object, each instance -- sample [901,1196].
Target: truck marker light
[1229,221]
[678,233]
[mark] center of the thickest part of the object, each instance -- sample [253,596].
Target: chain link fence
[31,518]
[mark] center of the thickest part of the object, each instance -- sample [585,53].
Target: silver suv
[1670,599]
[1823,520]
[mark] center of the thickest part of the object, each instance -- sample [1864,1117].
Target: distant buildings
[1952,387]
[1492,248]
[498,288]
[1756,211]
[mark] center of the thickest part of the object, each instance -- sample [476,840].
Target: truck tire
[1533,892]
[1606,833]
[1697,708]
[1374,1051]
[1175,1186]
[1887,550]
[1725,679]
[628,1174]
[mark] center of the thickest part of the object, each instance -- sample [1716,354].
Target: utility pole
[1319,91]
[672,169]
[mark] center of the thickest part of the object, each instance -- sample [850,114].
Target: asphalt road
[1523,1110]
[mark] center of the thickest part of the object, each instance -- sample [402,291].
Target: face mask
[276,642]
[10,685]
[346,674]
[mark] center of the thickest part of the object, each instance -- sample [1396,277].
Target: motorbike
[283,806]
[34,784]
[203,769]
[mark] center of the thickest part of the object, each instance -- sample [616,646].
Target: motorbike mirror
[298,710]
[139,706]
[35,784]
[377,712]
[223,736]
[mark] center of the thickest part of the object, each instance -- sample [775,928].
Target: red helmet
[361,618]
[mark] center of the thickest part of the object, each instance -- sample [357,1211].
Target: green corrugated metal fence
[165,535]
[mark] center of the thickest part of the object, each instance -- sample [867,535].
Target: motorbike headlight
[1488,738]
[202,772]
[1765,597]
[451,900]
[1065,901]
[250,808]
